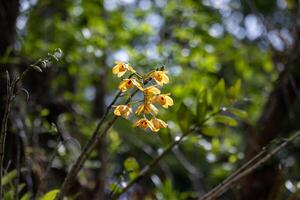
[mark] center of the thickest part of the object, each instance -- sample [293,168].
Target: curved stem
[224,186]
[90,145]
[155,161]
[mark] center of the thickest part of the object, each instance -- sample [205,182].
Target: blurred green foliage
[210,69]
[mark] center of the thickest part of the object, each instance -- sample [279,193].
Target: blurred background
[200,42]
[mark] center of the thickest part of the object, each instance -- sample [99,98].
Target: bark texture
[265,182]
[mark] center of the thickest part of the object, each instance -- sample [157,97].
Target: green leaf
[239,113]
[9,194]
[226,120]
[201,108]
[130,164]
[44,112]
[25,196]
[114,187]
[210,131]
[50,195]
[218,94]
[132,167]
[185,117]
[8,178]
[234,91]
[232,158]
[216,145]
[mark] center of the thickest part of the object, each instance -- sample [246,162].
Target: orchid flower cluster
[148,86]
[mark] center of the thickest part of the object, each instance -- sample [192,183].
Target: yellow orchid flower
[121,68]
[164,100]
[158,124]
[146,108]
[123,110]
[160,77]
[151,90]
[144,123]
[129,83]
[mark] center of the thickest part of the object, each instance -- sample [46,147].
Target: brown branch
[156,160]
[224,186]
[234,174]
[150,166]
[90,145]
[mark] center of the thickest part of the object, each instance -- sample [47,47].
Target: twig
[234,174]
[11,91]
[194,174]
[23,132]
[4,129]
[155,161]
[42,61]
[150,166]
[60,142]
[230,183]
[24,73]
[18,168]
[90,145]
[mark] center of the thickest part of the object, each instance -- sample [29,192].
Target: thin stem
[24,73]
[234,174]
[150,166]
[43,179]
[90,145]
[10,88]
[136,101]
[18,168]
[4,129]
[156,160]
[21,76]
[85,152]
[230,183]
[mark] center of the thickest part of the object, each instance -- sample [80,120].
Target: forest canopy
[149,99]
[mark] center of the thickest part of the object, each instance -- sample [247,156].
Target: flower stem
[90,145]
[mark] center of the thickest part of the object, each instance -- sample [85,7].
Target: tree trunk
[264,183]
[9,11]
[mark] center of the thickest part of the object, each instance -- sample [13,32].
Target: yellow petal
[162,123]
[122,85]
[155,130]
[160,83]
[137,84]
[121,73]
[151,126]
[126,115]
[115,69]
[137,123]
[139,109]
[155,90]
[117,111]
[165,79]
[127,111]
[169,101]
[151,90]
